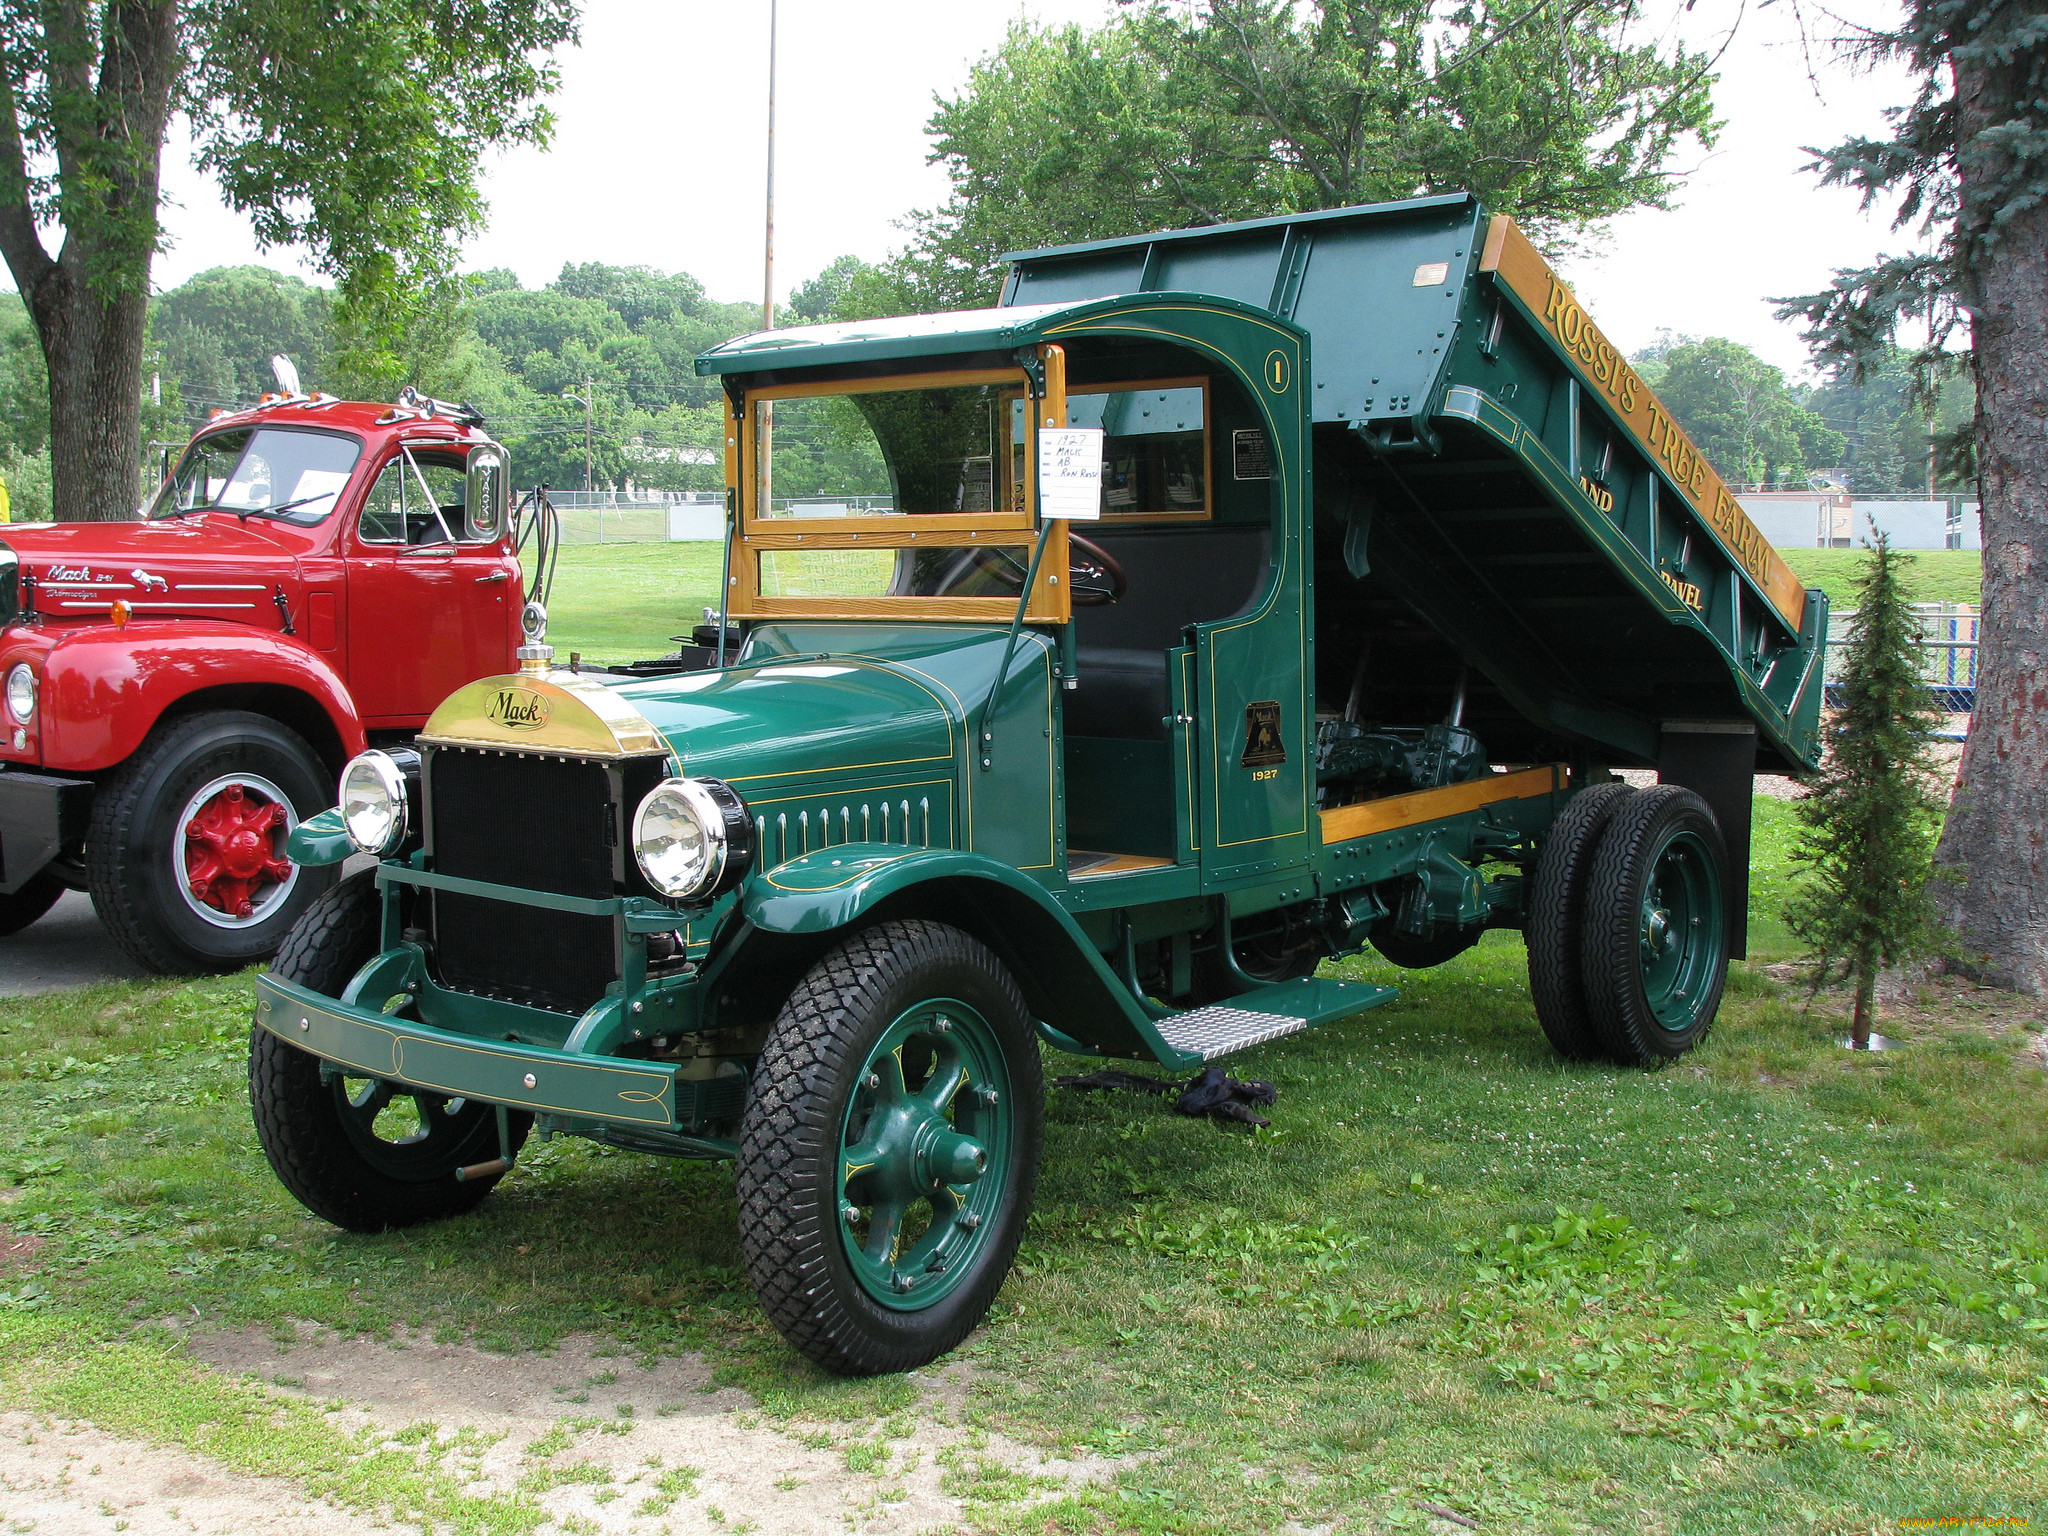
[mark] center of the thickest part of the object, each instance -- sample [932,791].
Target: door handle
[494,576]
[1176,719]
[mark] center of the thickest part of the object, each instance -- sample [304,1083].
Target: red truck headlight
[21,692]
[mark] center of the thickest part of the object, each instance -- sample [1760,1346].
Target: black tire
[1418,954]
[1661,855]
[135,848]
[804,1094]
[320,1136]
[1557,893]
[29,903]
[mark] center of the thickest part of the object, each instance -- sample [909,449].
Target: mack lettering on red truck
[182,690]
[1392,562]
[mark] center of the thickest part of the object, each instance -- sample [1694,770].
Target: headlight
[692,838]
[21,692]
[374,806]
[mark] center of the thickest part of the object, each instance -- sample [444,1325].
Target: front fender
[105,688]
[1074,995]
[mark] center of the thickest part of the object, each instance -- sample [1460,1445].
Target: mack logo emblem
[1263,747]
[518,709]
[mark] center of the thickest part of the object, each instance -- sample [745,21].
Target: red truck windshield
[291,473]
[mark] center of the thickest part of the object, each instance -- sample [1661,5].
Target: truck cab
[182,689]
[1380,564]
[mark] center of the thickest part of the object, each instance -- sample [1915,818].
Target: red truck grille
[535,823]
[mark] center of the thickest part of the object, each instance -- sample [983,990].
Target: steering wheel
[1094,576]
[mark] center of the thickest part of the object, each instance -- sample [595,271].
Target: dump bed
[1490,469]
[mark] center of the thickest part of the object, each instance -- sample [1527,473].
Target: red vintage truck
[176,693]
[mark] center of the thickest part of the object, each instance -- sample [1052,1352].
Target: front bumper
[531,1077]
[40,815]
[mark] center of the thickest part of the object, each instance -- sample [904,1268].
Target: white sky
[658,159]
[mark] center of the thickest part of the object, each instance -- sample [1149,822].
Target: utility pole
[584,400]
[768,240]
[764,449]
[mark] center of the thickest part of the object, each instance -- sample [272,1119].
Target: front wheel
[1653,942]
[889,1150]
[362,1152]
[185,854]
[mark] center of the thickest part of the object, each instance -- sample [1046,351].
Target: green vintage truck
[1393,559]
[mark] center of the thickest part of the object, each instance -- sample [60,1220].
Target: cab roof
[949,333]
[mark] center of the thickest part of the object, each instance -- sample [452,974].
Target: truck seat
[1178,576]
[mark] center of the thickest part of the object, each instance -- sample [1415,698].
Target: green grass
[624,602]
[1789,1288]
[1935,575]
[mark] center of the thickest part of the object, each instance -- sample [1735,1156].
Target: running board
[1268,1013]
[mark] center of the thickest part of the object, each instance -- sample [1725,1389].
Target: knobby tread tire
[789,1144]
[1610,942]
[297,1122]
[1557,895]
[123,847]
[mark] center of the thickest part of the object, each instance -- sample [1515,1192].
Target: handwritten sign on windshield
[1070,472]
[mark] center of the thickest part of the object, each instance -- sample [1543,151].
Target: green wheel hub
[1680,940]
[925,1147]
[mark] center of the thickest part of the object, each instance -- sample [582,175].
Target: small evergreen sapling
[1874,811]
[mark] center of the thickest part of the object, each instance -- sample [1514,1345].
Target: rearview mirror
[488,492]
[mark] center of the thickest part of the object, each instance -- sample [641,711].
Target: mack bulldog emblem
[518,709]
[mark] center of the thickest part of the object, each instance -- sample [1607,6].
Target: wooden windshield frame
[754,535]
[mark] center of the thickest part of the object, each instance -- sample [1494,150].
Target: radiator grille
[538,824]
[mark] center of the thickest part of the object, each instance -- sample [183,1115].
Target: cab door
[427,611]
[1253,723]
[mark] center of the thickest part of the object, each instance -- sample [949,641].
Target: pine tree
[1874,811]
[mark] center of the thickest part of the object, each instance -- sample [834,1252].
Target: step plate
[1220,1030]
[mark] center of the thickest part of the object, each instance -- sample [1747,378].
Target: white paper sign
[1070,472]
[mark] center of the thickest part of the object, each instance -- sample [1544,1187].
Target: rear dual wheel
[1627,931]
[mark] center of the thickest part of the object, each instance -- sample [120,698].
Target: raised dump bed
[1499,478]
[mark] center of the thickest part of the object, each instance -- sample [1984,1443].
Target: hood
[798,715]
[207,567]
[793,715]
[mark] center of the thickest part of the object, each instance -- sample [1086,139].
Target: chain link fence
[639,517]
[1948,659]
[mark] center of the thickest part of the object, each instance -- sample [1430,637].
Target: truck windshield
[291,474]
[952,449]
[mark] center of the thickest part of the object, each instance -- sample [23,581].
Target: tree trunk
[1996,838]
[1866,989]
[107,72]
[95,398]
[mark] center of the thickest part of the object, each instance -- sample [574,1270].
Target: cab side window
[414,503]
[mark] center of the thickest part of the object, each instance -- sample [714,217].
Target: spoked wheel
[924,1149]
[363,1153]
[889,1150]
[410,1133]
[1654,941]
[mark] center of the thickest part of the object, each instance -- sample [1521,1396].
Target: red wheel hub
[234,848]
